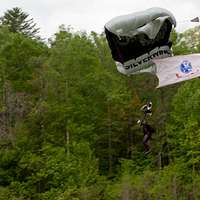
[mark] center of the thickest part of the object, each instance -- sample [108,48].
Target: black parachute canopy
[136,39]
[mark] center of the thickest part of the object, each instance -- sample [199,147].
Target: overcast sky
[91,15]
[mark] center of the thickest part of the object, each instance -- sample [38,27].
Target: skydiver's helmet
[150,105]
[141,122]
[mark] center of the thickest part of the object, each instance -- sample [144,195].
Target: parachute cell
[138,38]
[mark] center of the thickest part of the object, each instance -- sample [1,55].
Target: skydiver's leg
[146,143]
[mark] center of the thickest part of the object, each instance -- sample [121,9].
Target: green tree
[19,22]
[184,123]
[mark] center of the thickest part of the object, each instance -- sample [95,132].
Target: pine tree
[18,22]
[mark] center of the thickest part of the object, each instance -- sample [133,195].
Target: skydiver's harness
[147,111]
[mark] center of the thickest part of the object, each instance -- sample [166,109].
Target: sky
[91,15]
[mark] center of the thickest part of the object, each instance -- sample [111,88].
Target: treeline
[68,126]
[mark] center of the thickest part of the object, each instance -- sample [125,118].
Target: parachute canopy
[136,39]
[177,68]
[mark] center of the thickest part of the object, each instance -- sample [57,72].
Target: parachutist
[147,109]
[148,130]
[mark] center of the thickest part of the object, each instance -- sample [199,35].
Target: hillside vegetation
[68,126]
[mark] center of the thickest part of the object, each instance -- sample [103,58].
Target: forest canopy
[68,121]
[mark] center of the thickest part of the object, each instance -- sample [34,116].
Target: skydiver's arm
[143,107]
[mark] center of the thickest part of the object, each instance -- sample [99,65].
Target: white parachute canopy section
[177,68]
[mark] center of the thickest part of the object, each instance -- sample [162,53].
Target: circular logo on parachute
[186,67]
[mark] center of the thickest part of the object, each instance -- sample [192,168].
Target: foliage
[18,22]
[68,124]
